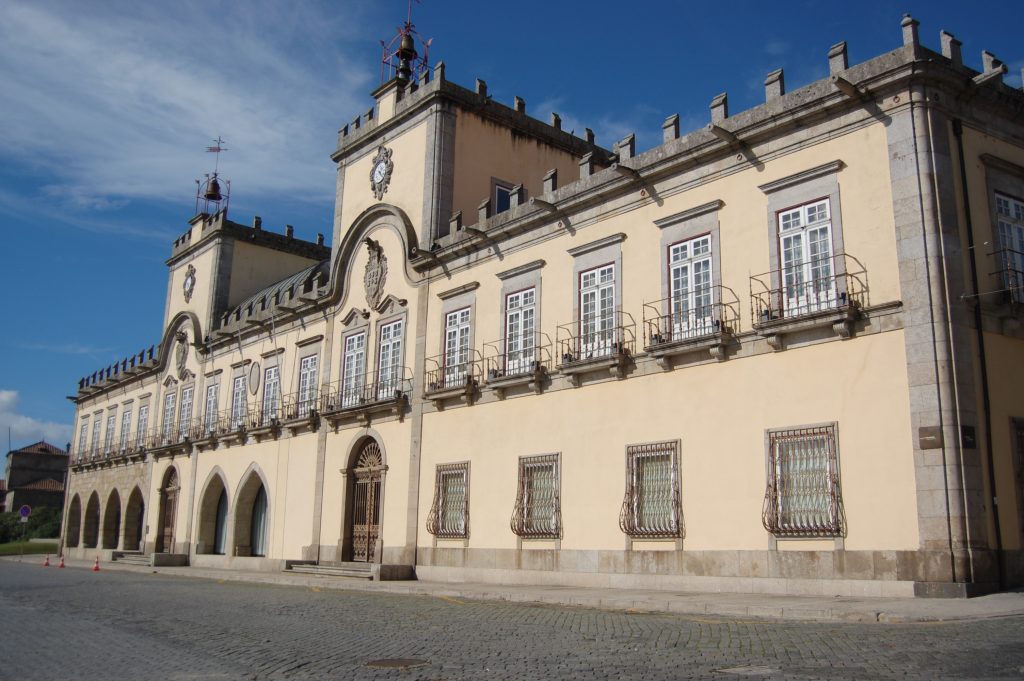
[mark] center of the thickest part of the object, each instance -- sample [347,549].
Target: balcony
[597,343]
[453,375]
[299,411]
[518,361]
[363,396]
[676,326]
[825,292]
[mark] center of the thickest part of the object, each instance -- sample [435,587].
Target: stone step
[350,570]
[132,559]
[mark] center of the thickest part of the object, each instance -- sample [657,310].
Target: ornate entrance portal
[168,511]
[364,509]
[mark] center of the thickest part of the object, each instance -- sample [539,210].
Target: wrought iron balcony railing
[807,288]
[523,355]
[453,370]
[1009,274]
[707,312]
[595,337]
[366,390]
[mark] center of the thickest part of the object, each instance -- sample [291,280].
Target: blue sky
[106,108]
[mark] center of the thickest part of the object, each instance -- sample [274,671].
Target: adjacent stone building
[781,352]
[35,477]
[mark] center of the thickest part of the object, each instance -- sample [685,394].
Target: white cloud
[117,101]
[25,429]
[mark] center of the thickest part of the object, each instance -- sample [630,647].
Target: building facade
[35,477]
[781,353]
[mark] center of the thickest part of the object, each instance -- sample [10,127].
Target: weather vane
[216,149]
[400,58]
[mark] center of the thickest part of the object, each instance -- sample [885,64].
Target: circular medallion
[380,172]
[254,377]
[189,286]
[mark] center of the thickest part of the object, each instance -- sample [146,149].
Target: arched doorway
[91,526]
[112,521]
[168,512]
[364,502]
[73,527]
[134,521]
[252,517]
[213,518]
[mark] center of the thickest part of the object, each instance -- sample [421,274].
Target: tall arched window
[258,526]
[220,535]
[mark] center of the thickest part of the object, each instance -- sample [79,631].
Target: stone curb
[730,606]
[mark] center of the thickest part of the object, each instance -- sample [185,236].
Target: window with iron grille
[538,511]
[449,514]
[803,497]
[142,425]
[126,428]
[650,508]
[108,440]
[185,412]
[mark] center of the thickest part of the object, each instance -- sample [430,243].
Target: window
[538,506]
[108,438]
[142,425]
[95,442]
[389,359]
[169,400]
[520,323]
[502,198]
[307,384]
[456,347]
[271,394]
[691,288]
[238,402]
[185,413]
[597,311]
[126,429]
[449,514]
[803,498]
[651,505]
[210,417]
[808,272]
[83,434]
[1010,235]
[353,372]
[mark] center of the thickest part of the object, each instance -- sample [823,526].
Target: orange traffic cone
[96,565]
[46,563]
[61,561]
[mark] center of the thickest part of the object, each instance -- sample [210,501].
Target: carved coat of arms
[181,351]
[376,273]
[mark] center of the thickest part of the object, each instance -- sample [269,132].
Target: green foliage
[44,523]
[17,548]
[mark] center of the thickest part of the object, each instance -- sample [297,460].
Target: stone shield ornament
[376,273]
[181,351]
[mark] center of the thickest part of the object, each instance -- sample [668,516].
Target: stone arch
[134,521]
[244,505]
[91,522]
[73,524]
[213,522]
[364,498]
[376,216]
[168,514]
[112,521]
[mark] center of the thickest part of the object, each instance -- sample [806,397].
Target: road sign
[25,511]
[24,518]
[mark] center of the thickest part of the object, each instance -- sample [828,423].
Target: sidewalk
[728,605]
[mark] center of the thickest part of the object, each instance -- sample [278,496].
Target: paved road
[75,624]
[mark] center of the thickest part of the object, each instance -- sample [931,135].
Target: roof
[44,485]
[277,292]
[42,447]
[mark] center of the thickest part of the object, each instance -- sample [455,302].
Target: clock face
[379,171]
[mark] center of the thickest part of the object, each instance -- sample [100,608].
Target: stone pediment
[355,317]
[390,304]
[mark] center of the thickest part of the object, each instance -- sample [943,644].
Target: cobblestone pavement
[75,624]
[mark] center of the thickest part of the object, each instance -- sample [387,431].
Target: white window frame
[210,410]
[691,287]
[597,308]
[803,497]
[108,437]
[642,493]
[126,429]
[389,358]
[458,325]
[807,258]
[308,372]
[141,425]
[94,447]
[1010,243]
[271,410]
[353,369]
[169,412]
[538,512]
[83,437]
[185,411]
[238,404]
[449,513]
[520,331]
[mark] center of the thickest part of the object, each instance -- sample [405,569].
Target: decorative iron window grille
[538,509]
[650,508]
[449,514]
[803,498]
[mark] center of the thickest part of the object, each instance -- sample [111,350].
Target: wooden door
[169,496]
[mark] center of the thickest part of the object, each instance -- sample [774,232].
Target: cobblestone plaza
[73,624]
